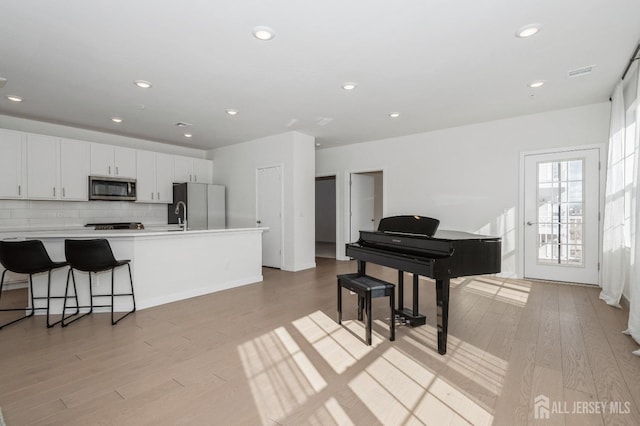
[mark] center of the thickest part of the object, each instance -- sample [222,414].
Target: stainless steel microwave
[112,188]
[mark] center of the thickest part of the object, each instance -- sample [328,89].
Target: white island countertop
[167,265]
[83,232]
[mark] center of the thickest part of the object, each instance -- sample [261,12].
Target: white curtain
[615,256]
[621,239]
[633,132]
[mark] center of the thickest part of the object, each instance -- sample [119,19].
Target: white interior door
[269,213]
[561,214]
[362,204]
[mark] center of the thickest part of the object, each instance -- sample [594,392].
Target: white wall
[235,167]
[465,176]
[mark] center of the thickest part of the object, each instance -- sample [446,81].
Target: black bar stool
[367,288]
[28,257]
[93,256]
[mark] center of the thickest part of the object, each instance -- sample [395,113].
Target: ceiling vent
[3,81]
[183,124]
[579,72]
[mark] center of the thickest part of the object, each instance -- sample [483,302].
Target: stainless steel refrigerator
[205,205]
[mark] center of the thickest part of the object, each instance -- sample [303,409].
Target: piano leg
[362,270]
[400,291]
[362,267]
[411,316]
[415,295]
[442,296]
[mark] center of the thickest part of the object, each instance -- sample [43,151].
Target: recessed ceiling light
[232,112]
[528,30]
[536,84]
[116,119]
[263,33]
[349,85]
[13,98]
[143,84]
[317,143]
[394,114]
[188,135]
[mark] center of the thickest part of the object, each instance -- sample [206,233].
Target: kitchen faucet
[184,207]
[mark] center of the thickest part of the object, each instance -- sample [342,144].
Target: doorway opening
[366,202]
[326,216]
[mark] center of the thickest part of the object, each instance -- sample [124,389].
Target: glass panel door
[560,205]
[561,220]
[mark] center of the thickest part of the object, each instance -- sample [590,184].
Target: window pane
[560,207]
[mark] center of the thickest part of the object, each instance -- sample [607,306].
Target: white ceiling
[439,63]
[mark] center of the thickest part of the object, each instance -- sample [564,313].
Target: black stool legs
[112,295]
[367,288]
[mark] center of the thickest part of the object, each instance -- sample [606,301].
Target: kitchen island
[166,265]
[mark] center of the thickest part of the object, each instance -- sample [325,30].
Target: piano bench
[367,288]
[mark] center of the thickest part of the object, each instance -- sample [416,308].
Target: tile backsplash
[42,214]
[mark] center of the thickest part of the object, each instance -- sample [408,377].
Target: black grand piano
[413,244]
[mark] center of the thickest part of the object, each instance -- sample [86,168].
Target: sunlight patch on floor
[398,391]
[482,367]
[280,375]
[395,387]
[340,346]
[514,293]
[331,413]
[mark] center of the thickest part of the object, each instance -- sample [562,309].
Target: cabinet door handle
[195,178]
[63,194]
[117,171]
[158,196]
[54,191]
[19,190]
[190,178]
[109,170]
[152,195]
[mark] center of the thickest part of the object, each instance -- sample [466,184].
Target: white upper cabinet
[164,177]
[189,169]
[183,169]
[74,170]
[155,177]
[203,170]
[108,160]
[12,164]
[57,169]
[43,181]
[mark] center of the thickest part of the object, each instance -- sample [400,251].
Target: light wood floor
[271,353]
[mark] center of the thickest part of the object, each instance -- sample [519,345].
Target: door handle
[531,223]
[258,222]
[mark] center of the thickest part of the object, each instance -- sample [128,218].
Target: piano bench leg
[361,303]
[368,309]
[339,303]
